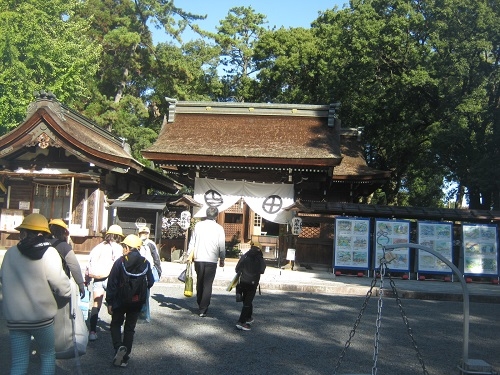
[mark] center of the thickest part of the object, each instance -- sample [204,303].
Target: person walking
[32,275]
[149,251]
[250,266]
[206,246]
[101,260]
[129,282]
[60,234]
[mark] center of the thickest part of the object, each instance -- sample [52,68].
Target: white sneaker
[92,336]
[120,353]
[243,326]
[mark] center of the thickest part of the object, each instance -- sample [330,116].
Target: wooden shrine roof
[54,136]
[354,166]
[247,134]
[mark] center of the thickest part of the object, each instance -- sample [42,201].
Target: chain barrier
[383,270]
[407,324]
[356,323]
[378,322]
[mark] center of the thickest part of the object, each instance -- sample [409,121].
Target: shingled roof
[50,124]
[354,166]
[248,134]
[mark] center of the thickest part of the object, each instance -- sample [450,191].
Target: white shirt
[208,242]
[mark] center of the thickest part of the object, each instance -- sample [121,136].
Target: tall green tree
[465,41]
[47,50]
[128,92]
[289,68]
[377,54]
[236,36]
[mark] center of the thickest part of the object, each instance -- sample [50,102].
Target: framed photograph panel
[389,232]
[480,249]
[352,243]
[438,236]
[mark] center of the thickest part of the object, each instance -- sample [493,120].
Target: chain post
[356,324]
[383,271]
[407,324]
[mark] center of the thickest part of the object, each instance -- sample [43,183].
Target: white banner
[267,200]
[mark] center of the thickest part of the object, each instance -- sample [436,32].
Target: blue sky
[289,13]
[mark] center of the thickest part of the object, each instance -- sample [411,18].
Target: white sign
[185,220]
[10,219]
[24,205]
[296,226]
[388,232]
[290,255]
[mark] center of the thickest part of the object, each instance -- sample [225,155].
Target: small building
[62,165]
[257,162]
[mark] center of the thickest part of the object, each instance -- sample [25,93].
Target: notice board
[352,243]
[388,232]
[11,219]
[480,249]
[439,237]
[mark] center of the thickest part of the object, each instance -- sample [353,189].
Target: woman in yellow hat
[101,261]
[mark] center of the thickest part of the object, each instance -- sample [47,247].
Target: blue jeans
[20,341]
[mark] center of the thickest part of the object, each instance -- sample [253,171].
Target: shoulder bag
[71,333]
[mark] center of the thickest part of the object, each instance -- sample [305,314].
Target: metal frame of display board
[352,243]
[439,237]
[480,250]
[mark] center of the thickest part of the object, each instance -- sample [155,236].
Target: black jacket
[250,266]
[134,263]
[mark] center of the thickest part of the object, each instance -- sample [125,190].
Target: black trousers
[248,292]
[205,275]
[129,315]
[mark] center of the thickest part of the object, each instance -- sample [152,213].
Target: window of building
[52,201]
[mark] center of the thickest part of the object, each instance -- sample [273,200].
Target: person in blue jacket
[128,284]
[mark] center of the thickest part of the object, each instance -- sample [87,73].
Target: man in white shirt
[208,242]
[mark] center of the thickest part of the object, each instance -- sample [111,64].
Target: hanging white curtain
[267,200]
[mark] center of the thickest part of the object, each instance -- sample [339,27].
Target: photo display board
[439,237]
[352,243]
[388,232]
[480,249]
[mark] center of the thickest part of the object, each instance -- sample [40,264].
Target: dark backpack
[253,266]
[133,287]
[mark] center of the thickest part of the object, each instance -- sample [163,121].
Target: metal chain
[407,324]
[378,322]
[383,271]
[356,323]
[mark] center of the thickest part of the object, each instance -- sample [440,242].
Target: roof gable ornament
[333,117]
[53,104]
[42,137]
[43,140]
[172,103]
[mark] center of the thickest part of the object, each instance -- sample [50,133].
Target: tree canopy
[421,78]
[46,51]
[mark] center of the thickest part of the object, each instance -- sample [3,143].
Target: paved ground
[294,333]
[303,321]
